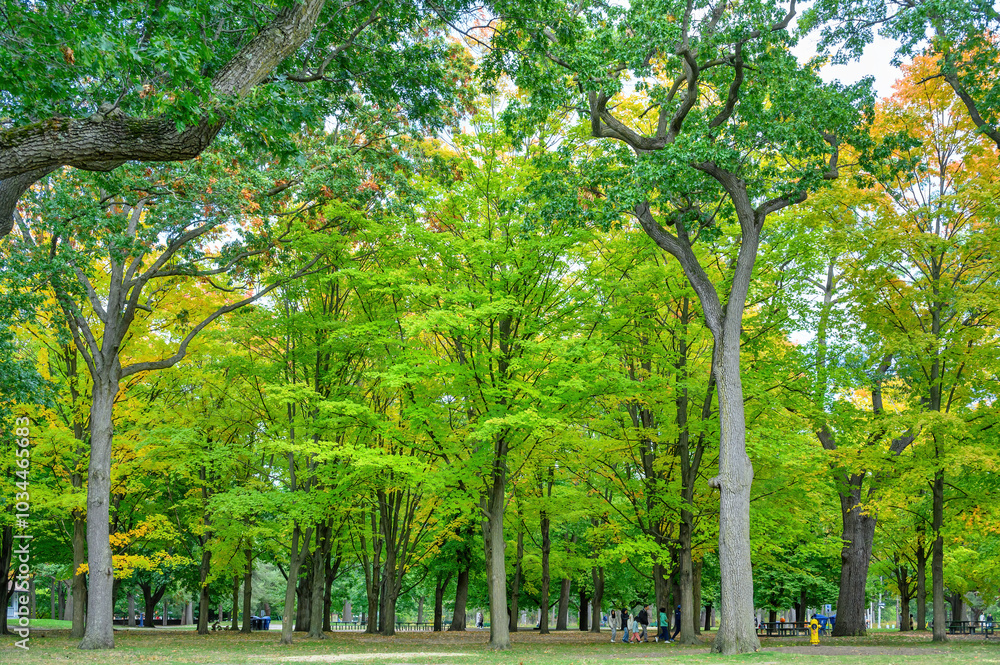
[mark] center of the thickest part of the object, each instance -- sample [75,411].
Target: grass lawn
[565,648]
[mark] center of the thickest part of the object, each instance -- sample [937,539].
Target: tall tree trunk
[332,569]
[420,609]
[686,581]
[294,564]
[921,582]
[515,593]
[203,599]
[855,555]
[6,554]
[99,632]
[150,599]
[318,595]
[303,595]
[439,588]
[661,588]
[696,603]
[562,618]
[79,558]
[708,617]
[937,559]
[493,544]
[248,591]
[583,609]
[597,574]
[461,597]
[736,632]
[236,604]
[543,624]
[131,608]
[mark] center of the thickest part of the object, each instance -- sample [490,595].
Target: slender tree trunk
[493,543]
[6,555]
[79,558]
[543,624]
[562,618]
[583,610]
[131,609]
[921,583]
[203,599]
[708,617]
[937,559]
[247,591]
[855,555]
[439,588]
[461,597]
[420,609]
[303,595]
[515,593]
[597,574]
[696,603]
[318,597]
[236,604]
[293,574]
[686,582]
[99,632]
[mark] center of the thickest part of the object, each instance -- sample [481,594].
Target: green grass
[567,648]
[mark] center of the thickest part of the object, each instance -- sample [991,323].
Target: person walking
[677,623]
[614,623]
[643,619]
[625,626]
[663,634]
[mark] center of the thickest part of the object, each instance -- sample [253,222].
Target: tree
[740,131]
[153,238]
[127,81]
[959,36]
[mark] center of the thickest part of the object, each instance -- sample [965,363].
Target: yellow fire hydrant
[814,633]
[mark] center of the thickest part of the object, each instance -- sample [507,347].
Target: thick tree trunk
[99,633]
[461,598]
[708,617]
[597,574]
[303,596]
[937,559]
[493,544]
[131,608]
[583,610]
[150,599]
[247,591]
[736,630]
[855,555]
[562,618]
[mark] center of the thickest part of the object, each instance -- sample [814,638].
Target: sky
[876,62]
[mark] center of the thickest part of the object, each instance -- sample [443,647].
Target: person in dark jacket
[643,619]
[677,622]
[625,621]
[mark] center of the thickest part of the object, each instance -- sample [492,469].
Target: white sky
[876,62]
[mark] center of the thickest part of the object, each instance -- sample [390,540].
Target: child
[635,630]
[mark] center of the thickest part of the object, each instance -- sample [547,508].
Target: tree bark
[515,593]
[855,555]
[294,563]
[921,583]
[6,555]
[937,559]
[99,632]
[79,558]
[131,608]
[597,574]
[696,603]
[543,623]
[461,598]
[150,599]
[562,618]
[439,588]
[318,595]
[247,591]
[236,604]
[496,572]
[583,609]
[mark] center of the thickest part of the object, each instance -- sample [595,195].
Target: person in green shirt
[664,626]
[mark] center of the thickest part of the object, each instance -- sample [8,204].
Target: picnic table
[970,627]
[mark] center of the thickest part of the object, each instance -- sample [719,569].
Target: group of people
[635,627]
